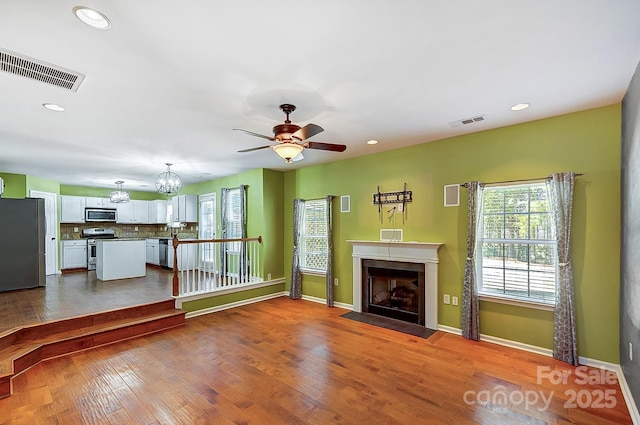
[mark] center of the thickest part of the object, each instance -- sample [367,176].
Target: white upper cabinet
[141,211]
[93,202]
[158,211]
[72,209]
[185,208]
[133,212]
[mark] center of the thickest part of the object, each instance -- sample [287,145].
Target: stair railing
[210,265]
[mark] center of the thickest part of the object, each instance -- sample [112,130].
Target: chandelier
[119,196]
[168,183]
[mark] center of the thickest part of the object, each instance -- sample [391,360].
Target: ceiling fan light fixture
[168,183]
[119,196]
[287,151]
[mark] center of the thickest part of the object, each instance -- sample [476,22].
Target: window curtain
[470,302]
[296,275]
[244,270]
[565,342]
[224,225]
[329,276]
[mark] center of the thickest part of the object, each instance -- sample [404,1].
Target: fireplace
[393,289]
[400,278]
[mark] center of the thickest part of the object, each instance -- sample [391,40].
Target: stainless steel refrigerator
[22,244]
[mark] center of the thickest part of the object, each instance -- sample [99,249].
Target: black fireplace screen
[394,289]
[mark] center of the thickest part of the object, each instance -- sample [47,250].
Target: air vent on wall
[39,70]
[467,121]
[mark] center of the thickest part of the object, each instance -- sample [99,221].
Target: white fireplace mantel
[411,252]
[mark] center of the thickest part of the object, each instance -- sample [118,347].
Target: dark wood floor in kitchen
[282,362]
[79,293]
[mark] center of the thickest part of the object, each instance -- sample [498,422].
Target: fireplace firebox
[394,289]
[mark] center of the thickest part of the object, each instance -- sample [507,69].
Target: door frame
[51,218]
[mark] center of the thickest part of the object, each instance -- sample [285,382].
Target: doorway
[51,236]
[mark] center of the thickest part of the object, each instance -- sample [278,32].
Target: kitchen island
[120,258]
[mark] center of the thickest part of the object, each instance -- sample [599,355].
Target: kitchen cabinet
[185,208]
[74,254]
[187,256]
[153,251]
[72,208]
[93,202]
[133,212]
[158,211]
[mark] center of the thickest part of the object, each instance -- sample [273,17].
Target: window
[518,248]
[234,219]
[313,236]
[207,226]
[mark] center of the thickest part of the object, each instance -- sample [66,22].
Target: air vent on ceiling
[39,70]
[467,121]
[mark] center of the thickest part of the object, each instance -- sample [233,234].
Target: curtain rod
[521,180]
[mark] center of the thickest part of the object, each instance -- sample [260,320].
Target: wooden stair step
[26,347]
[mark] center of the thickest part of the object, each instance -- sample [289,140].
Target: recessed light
[92,17]
[372,142]
[53,107]
[519,106]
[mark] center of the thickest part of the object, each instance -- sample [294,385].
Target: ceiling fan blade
[307,131]
[251,133]
[255,149]
[325,146]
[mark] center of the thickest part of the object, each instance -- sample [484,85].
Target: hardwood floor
[297,362]
[79,293]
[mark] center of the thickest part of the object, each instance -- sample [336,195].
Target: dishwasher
[164,252]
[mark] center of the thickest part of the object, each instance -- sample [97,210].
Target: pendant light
[119,196]
[168,183]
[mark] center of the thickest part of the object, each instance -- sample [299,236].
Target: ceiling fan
[291,138]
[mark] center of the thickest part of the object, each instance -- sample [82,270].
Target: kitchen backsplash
[74,231]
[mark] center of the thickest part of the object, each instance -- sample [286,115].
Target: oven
[92,235]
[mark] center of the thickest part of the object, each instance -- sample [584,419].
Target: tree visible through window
[313,236]
[518,248]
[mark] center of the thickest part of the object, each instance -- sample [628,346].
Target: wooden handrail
[259,239]
[176,281]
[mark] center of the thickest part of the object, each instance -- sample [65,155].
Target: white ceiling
[171,79]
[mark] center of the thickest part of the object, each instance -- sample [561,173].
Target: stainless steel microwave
[100,214]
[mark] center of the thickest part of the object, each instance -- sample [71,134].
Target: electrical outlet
[268,276]
[335,281]
[135,228]
[454,300]
[447,299]
[75,230]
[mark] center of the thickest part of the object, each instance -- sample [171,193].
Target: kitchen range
[92,234]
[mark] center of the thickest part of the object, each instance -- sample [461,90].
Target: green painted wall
[101,192]
[264,211]
[43,185]
[231,298]
[15,185]
[585,142]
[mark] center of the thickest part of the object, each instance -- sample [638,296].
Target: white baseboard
[628,397]
[234,304]
[323,301]
[624,387]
